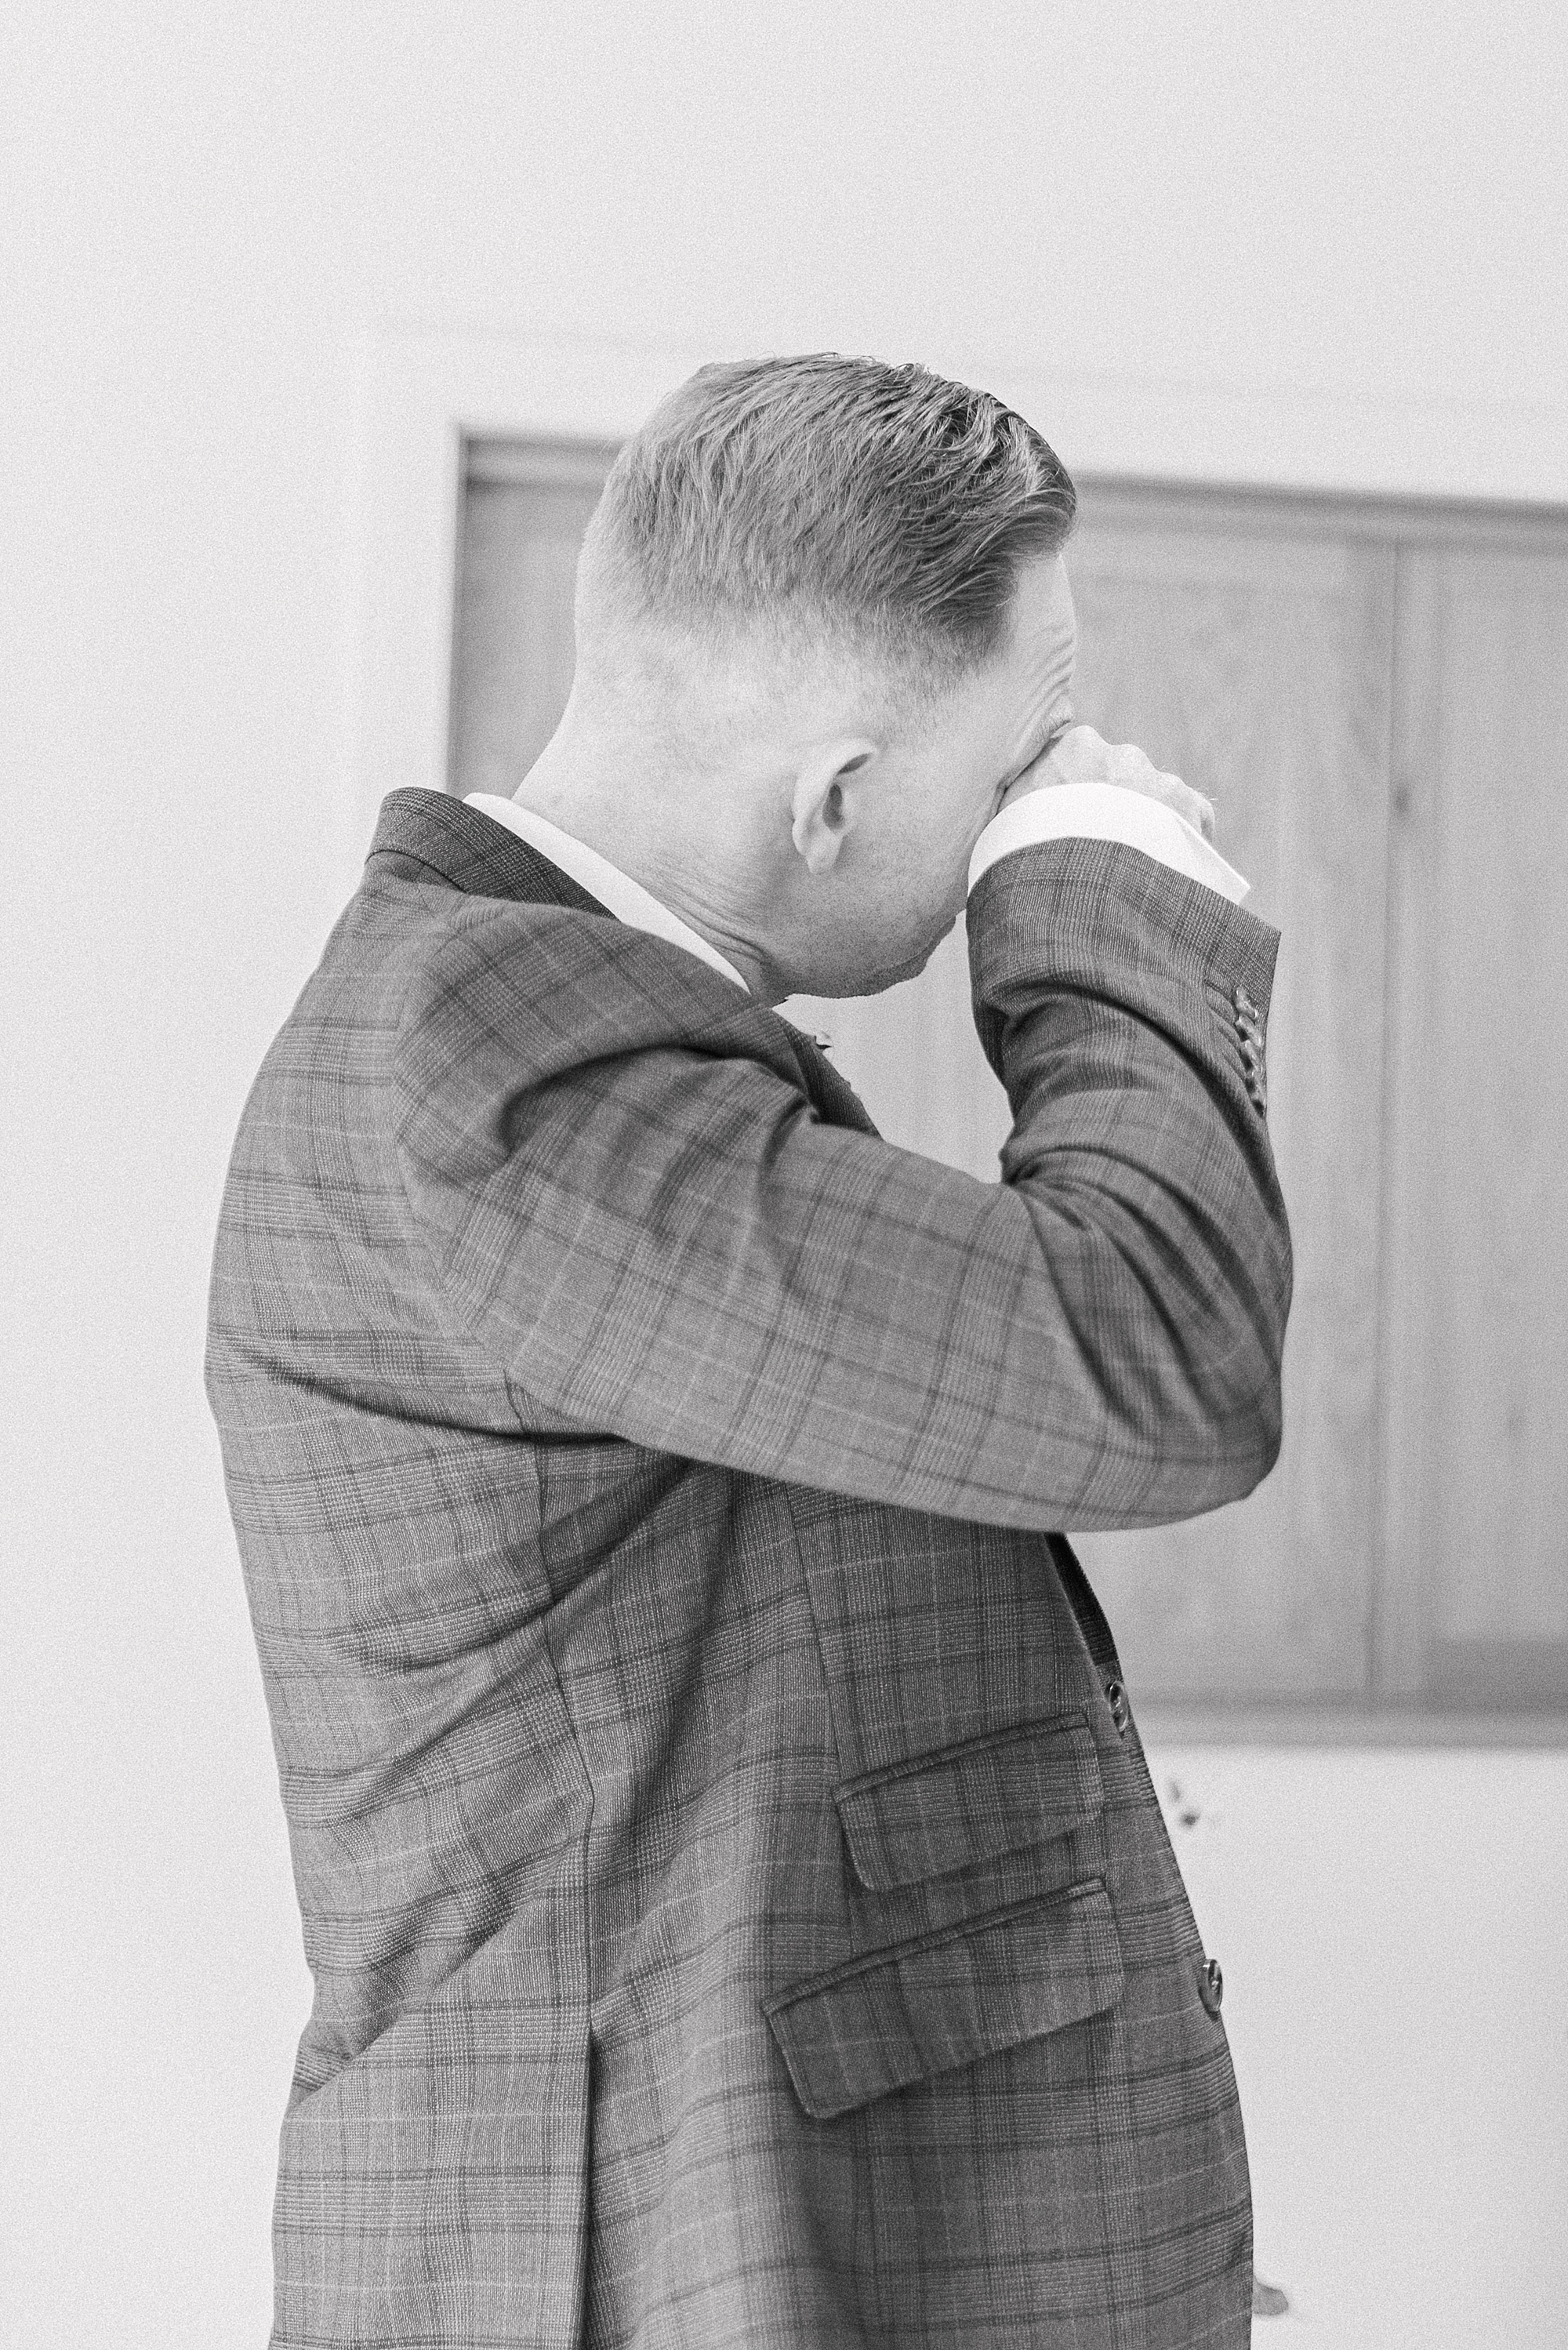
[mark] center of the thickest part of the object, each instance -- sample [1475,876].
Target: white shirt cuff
[1106,812]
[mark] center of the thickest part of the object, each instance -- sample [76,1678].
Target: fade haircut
[825,500]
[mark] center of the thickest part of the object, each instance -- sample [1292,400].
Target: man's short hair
[822,498]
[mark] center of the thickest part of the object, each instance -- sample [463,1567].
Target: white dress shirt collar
[617,892]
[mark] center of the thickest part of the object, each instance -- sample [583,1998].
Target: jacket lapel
[832,1096]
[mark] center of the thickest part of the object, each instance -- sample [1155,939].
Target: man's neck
[651,842]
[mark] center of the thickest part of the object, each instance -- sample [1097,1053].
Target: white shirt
[1059,811]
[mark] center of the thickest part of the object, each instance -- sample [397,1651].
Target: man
[739,1910]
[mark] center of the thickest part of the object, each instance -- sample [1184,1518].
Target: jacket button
[1211,1985]
[1121,1711]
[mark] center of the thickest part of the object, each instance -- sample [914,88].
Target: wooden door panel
[1258,667]
[1476,1607]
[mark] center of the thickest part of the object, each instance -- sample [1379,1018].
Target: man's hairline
[920,674]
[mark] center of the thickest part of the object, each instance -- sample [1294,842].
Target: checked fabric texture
[738,1914]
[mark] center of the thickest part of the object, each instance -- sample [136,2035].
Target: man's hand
[1082,756]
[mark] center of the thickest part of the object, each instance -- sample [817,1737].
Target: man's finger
[1198,811]
[1078,755]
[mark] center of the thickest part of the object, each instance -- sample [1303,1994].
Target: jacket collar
[479,855]
[473,852]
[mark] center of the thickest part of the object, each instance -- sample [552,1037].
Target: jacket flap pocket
[965,1804]
[900,2015]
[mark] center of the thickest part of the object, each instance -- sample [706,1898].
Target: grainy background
[1334,236]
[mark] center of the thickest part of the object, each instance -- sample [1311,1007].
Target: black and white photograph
[785,1423]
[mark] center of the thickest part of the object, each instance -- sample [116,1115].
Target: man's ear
[825,804]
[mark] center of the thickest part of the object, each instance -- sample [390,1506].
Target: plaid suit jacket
[738,1907]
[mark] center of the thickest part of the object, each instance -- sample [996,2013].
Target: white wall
[1312,239]
[1391,1927]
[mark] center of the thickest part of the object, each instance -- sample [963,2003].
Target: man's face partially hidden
[922,804]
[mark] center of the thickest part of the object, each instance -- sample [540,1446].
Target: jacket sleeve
[647,1225]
